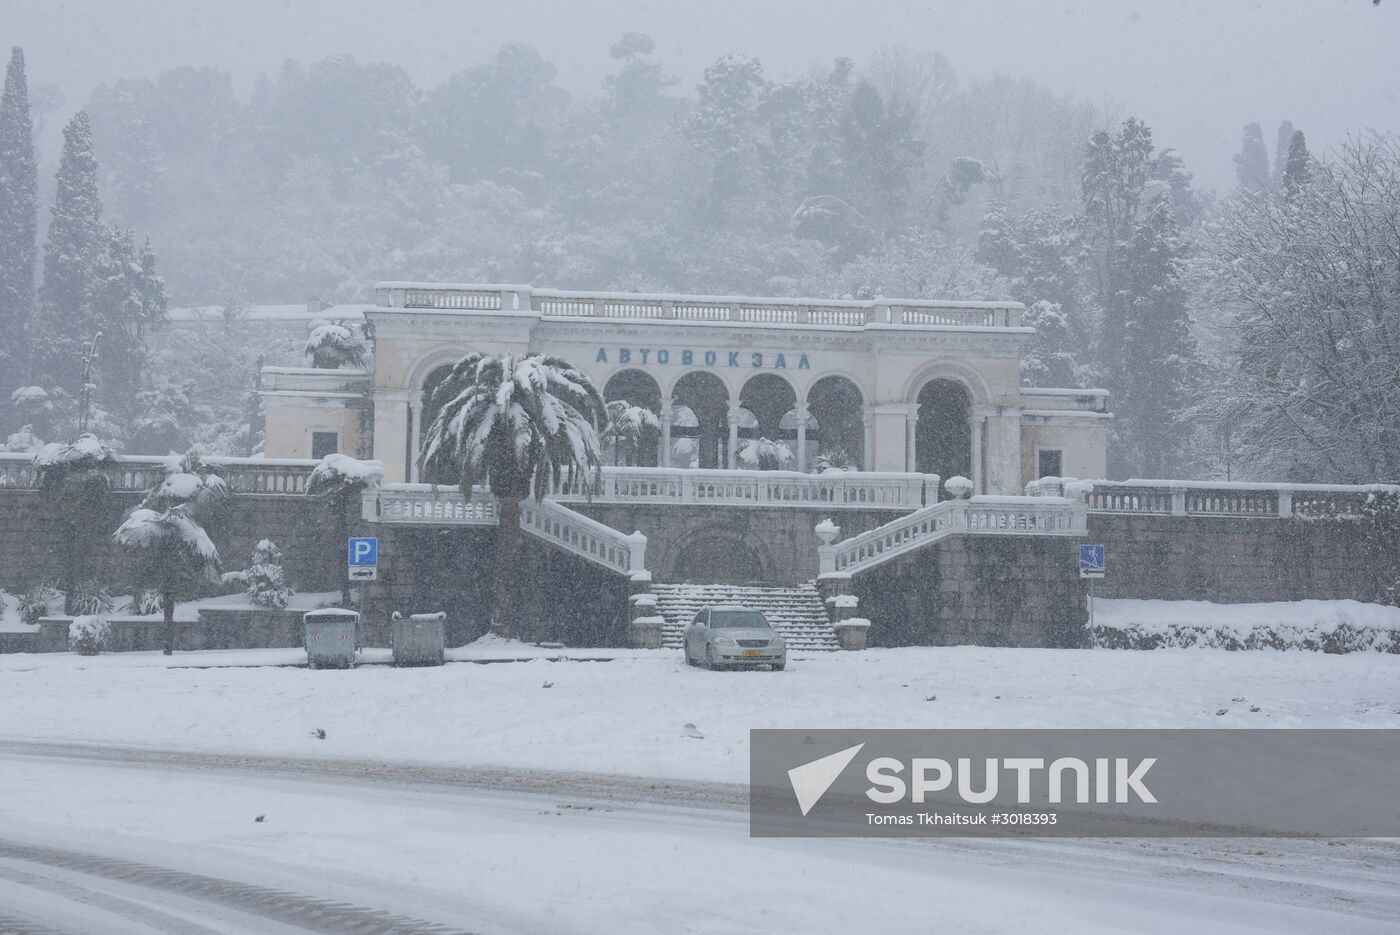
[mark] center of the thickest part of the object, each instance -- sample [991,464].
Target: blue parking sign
[1091,561]
[364,552]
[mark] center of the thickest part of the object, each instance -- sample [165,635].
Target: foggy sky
[1195,70]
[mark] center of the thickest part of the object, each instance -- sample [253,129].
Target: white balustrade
[141,472]
[840,489]
[639,306]
[1006,516]
[426,504]
[1227,499]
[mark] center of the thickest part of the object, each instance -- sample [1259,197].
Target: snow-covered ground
[629,715]
[330,848]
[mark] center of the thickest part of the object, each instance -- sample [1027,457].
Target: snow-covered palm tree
[332,345]
[73,480]
[631,429]
[765,454]
[173,552]
[520,424]
[340,479]
[167,532]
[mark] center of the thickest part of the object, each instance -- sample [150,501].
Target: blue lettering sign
[710,358]
[602,357]
[803,363]
[757,360]
[733,358]
[781,362]
[644,352]
[663,356]
[624,355]
[687,358]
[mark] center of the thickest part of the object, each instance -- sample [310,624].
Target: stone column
[415,436]
[891,443]
[664,455]
[1002,441]
[911,426]
[801,411]
[976,419]
[733,436]
[868,437]
[391,431]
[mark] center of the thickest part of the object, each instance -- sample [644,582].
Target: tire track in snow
[306,912]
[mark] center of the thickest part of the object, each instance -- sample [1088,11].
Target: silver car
[730,635]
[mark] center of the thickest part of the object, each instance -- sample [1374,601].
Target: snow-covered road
[125,841]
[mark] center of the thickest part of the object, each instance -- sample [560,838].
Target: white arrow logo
[811,780]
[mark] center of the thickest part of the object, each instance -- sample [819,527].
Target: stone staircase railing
[986,516]
[587,538]
[1220,499]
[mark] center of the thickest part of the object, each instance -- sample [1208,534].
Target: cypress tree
[75,238]
[1252,163]
[1296,171]
[19,219]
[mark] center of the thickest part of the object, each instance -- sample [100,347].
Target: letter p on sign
[364,551]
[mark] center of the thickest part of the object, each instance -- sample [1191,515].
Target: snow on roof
[300,312]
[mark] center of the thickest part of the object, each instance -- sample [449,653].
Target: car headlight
[723,641]
[777,643]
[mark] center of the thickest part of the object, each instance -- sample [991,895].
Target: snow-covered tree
[339,480]
[1159,353]
[1282,142]
[128,300]
[75,238]
[264,581]
[631,430]
[521,424]
[24,441]
[173,554]
[1252,161]
[332,345]
[34,405]
[1049,358]
[1295,171]
[1311,388]
[74,480]
[765,454]
[19,220]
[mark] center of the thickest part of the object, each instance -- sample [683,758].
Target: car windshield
[733,619]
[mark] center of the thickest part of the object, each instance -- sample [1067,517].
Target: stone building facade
[882,385]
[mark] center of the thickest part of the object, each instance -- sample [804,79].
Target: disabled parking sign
[363,558]
[1091,561]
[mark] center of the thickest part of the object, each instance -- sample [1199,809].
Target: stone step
[795,612]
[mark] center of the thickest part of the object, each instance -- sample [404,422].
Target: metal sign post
[1091,566]
[362,553]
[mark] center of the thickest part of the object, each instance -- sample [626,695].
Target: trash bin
[332,637]
[419,640]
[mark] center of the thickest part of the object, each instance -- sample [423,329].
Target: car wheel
[710,657]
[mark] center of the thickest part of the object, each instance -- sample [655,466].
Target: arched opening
[765,441]
[942,439]
[838,436]
[428,413]
[633,433]
[719,556]
[706,398]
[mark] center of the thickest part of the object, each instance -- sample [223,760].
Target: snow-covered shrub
[958,487]
[37,602]
[91,598]
[23,441]
[631,430]
[87,634]
[332,345]
[765,454]
[189,482]
[264,581]
[144,603]
[835,459]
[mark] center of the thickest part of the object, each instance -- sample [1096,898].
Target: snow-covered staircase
[795,612]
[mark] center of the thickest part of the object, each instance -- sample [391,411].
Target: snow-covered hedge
[1342,626]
